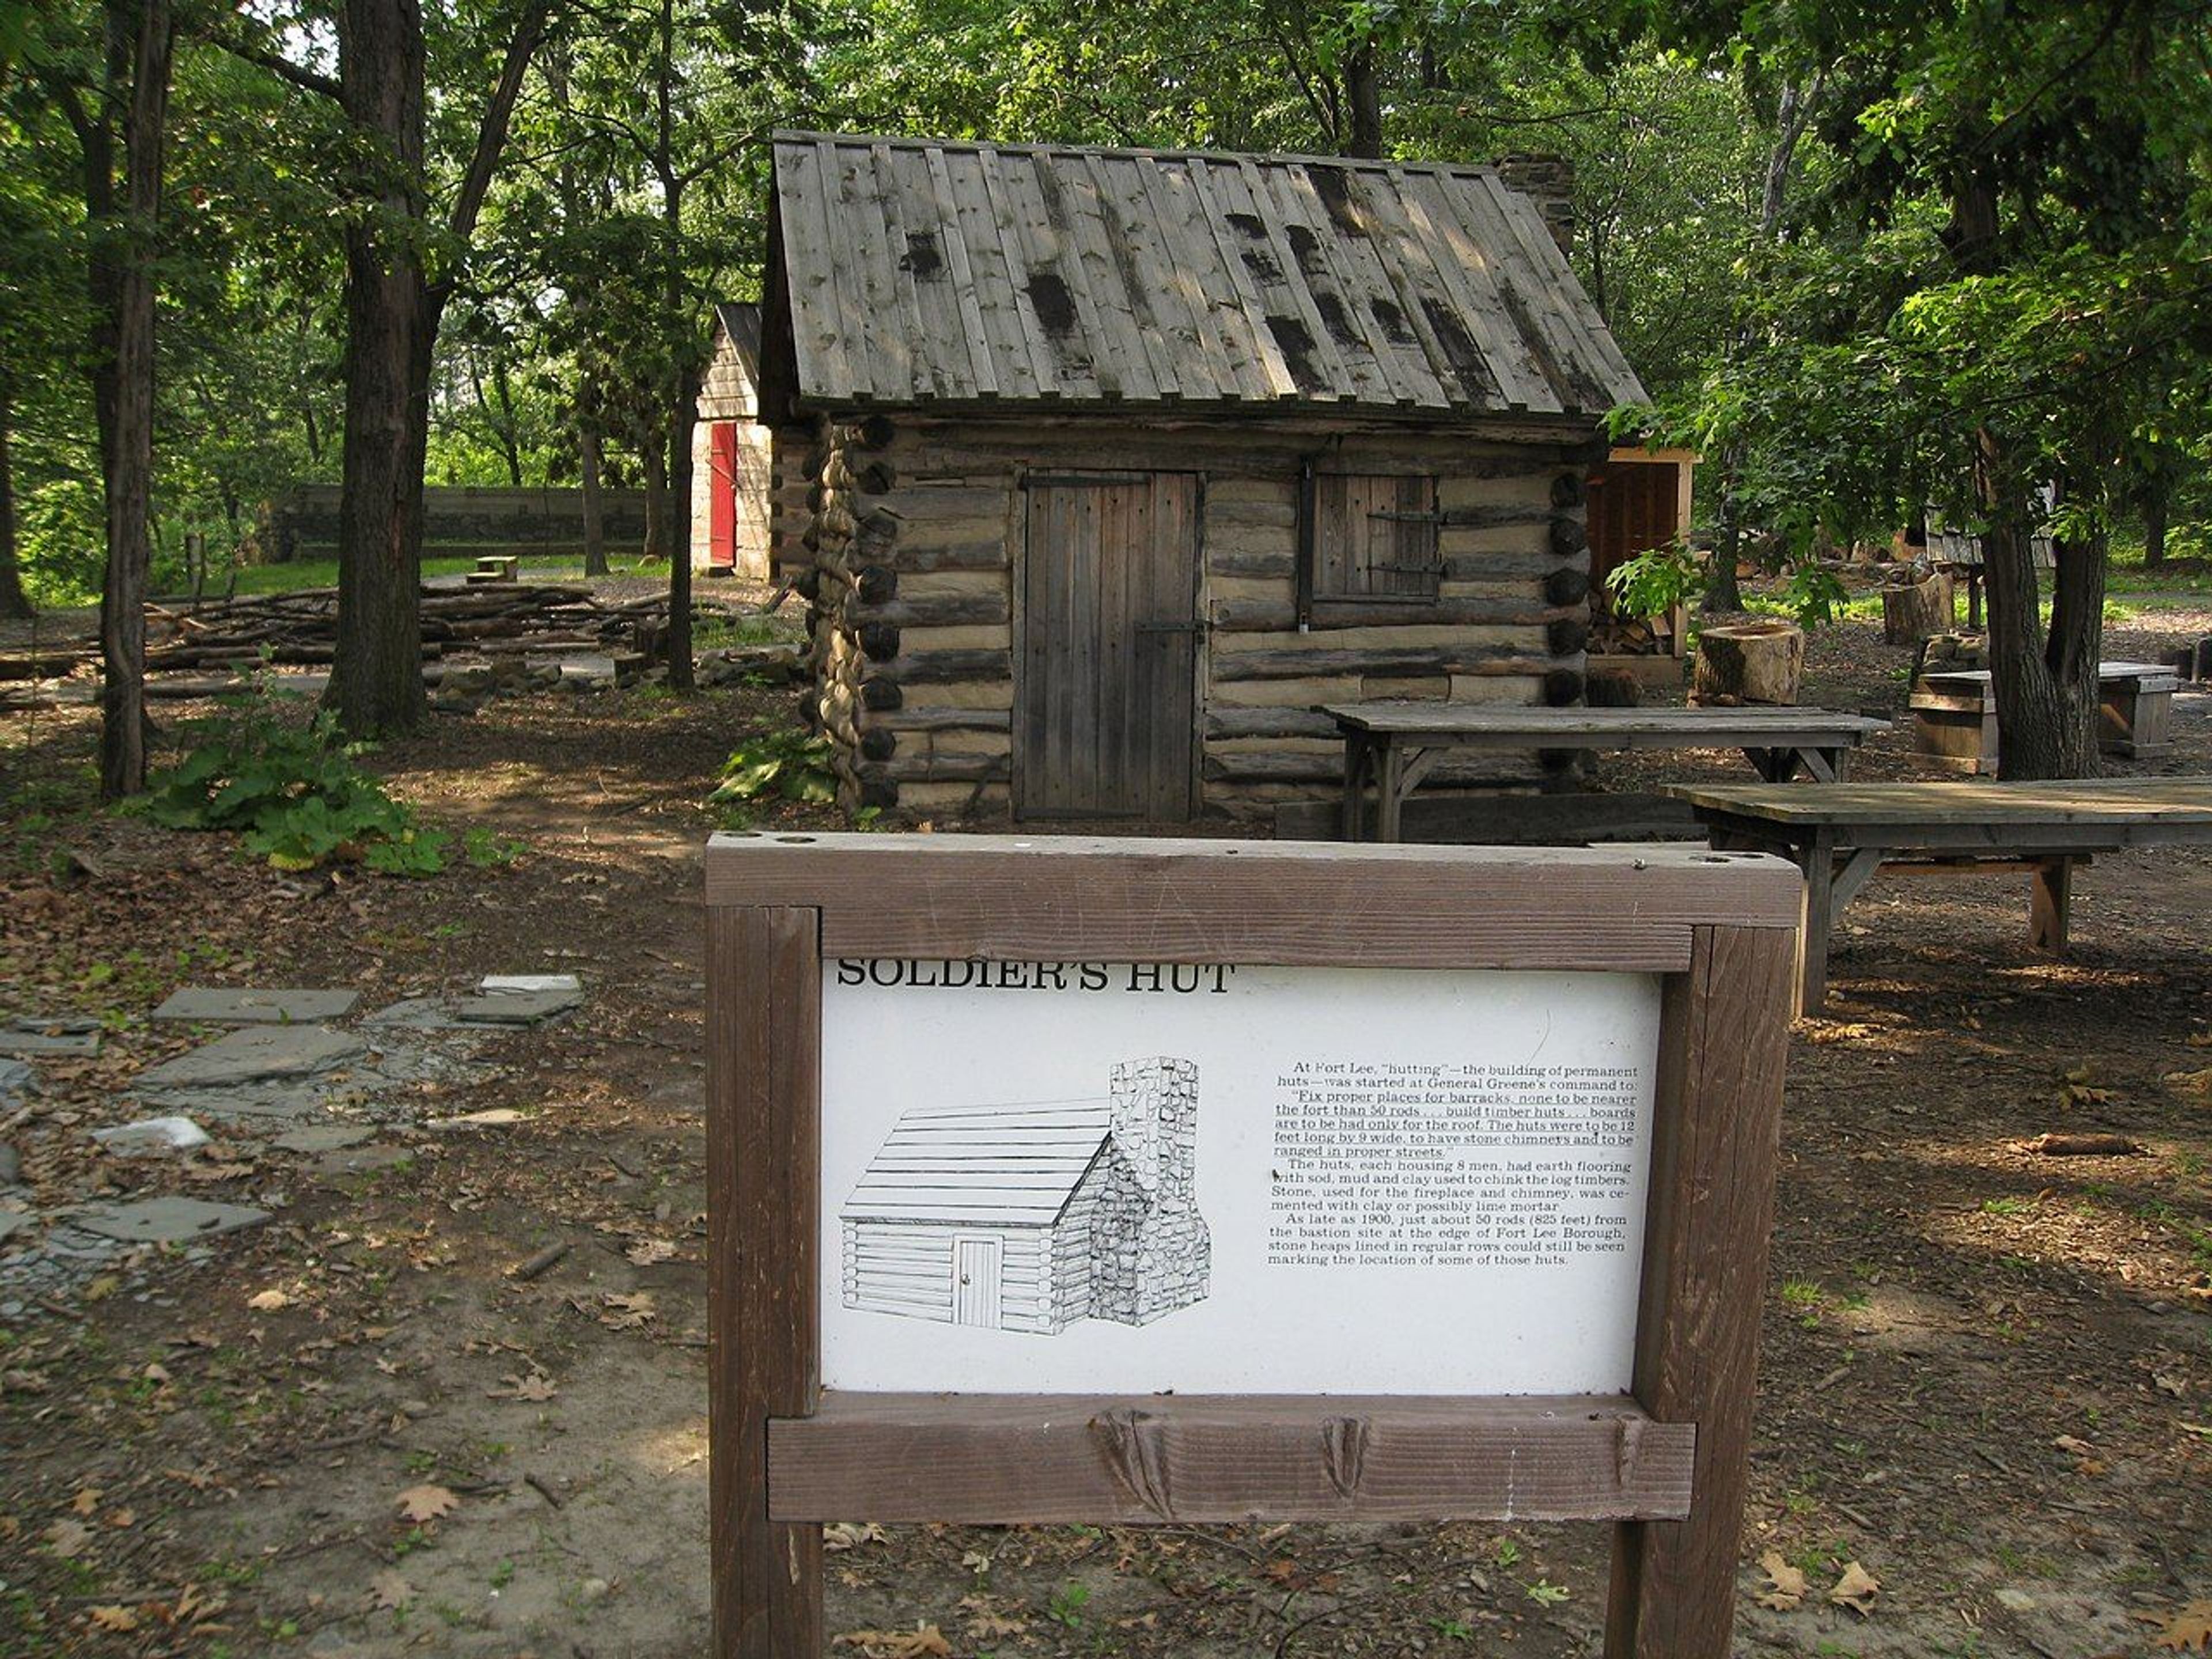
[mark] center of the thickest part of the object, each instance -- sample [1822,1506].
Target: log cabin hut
[729,453]
[1101,468]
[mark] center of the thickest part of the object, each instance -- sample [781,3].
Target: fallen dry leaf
[843,1535]
[2190,1631]
[627,1311]
[389,1591]
[118,1619]
[120,1519]
[647,1251]
[2191,1083]
[1785,1584]
[65,1538]
[535,1387]
[985,1625]
[85,1501]
[268,1301]
[1855,1590]
[426,1503]
[922,1642]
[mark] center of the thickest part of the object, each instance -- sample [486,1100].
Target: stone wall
[1150,1251]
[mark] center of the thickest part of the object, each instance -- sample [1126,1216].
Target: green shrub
[1652,583]
[297,794]
[787,765]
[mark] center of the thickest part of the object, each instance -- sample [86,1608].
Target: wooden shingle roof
[1014,1164]
[913,272]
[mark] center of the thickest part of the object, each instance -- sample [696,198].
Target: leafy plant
[786,764]
[297,793]
[1813,595]
[1653,583]
[1067,1603]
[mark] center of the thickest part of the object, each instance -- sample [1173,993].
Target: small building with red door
[729,453]
[1102,470]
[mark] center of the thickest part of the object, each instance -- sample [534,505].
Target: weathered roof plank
[917,272]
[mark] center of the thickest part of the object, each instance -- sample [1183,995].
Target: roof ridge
[1174,152]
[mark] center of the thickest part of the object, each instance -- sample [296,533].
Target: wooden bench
[1397,744]
[494,567]
[1840,834]
[1954,714]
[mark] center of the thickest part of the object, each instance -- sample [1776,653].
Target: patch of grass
[2007,1205]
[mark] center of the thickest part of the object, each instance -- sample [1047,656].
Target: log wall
[907,533]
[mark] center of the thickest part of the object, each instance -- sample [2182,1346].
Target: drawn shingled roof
[913,272]
[1017,1165]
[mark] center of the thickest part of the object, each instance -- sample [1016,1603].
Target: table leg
[1817,858]
[1822,765]
[2048,903]
[1355,769]
[1389,789]
[1772,765]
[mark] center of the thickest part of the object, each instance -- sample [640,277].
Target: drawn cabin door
[1106,720]
[722,494]
[976,1264]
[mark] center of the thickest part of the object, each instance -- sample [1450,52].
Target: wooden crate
[1954,715]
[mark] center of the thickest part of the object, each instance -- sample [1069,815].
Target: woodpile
[298,627]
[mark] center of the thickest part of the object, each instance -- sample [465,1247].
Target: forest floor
[353,1430]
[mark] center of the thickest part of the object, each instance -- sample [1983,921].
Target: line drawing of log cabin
[1032,1215]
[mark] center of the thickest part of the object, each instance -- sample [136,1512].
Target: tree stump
[1748,662]
[1916,602]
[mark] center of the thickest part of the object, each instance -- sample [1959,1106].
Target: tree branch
[251,52]
[491,136]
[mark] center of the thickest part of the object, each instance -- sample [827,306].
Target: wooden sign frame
[1666,1462]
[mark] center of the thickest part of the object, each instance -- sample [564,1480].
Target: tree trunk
[595,516]
[376,677]
[1723,596]
[2157,494]
[14,603]
[1362,92]
[657,515]
[2045,684]
[141,33]
[686,417]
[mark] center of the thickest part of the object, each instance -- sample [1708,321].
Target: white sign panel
[1119,1178]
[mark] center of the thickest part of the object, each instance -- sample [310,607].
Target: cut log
[1916,602]
[1757,662]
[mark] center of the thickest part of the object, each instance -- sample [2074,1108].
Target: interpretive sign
[1125,1180]
[1233,1179]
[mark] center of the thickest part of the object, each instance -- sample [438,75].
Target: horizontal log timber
[1270,617]
[1292,664]
[1046,1459]
[932,611]
[941,768]
[950,719]
[1031,898]
[980,552]
[928,668]
[1232,722]
[1242,448]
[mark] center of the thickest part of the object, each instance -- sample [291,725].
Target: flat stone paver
[169,1220]
[15,1079]
[515,1007]
[259,1054]
[509,984]
[219,1006]
[324,1136]
[11,1221]
[151,1137]
[66,1034]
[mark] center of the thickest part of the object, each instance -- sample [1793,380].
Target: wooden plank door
[976,1279]
[722,493]
[1107,717]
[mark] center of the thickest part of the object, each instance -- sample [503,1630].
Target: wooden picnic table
[1954,713]
[1839,833]
[1396,743]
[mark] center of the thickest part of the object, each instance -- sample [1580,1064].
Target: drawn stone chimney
[1162,1261]
[1549,182]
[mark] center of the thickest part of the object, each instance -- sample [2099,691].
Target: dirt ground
[1987,1373]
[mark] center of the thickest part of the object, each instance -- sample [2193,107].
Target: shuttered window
[1375,538]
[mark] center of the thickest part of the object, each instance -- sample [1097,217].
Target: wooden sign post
[1061,1179]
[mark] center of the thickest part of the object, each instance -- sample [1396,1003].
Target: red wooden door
[1106,725]
[722,493]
